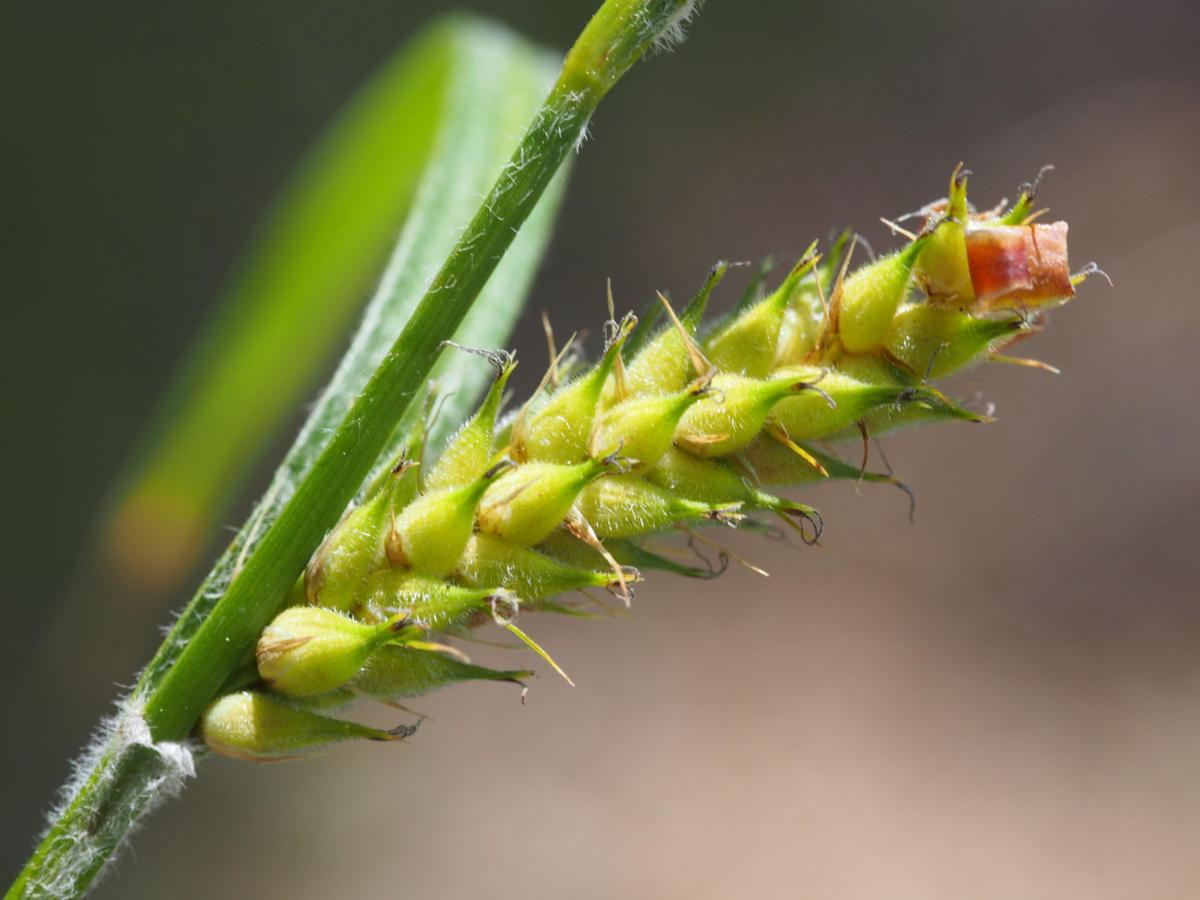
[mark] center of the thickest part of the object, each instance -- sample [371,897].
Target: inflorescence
[679,426]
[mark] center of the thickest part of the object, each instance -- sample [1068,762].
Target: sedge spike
[623,466]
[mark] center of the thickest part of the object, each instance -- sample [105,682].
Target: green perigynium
[310,650]
[257,726]
[688,430]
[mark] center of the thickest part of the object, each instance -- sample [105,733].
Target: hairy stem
[138,759]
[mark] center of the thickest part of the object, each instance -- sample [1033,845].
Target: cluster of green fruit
[679,425]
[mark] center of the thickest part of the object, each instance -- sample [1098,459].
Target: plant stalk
[141,757]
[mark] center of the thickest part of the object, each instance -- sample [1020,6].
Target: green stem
[129,770]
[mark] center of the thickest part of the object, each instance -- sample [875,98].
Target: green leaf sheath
[129,769]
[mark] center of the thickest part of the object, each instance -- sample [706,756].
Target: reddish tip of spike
[1019,265]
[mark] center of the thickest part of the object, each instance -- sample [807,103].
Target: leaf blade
[285,310]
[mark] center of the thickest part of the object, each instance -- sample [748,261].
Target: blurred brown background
[1000,701]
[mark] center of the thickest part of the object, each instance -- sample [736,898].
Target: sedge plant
[380,542]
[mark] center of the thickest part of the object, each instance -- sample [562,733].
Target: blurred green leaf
[412,139]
